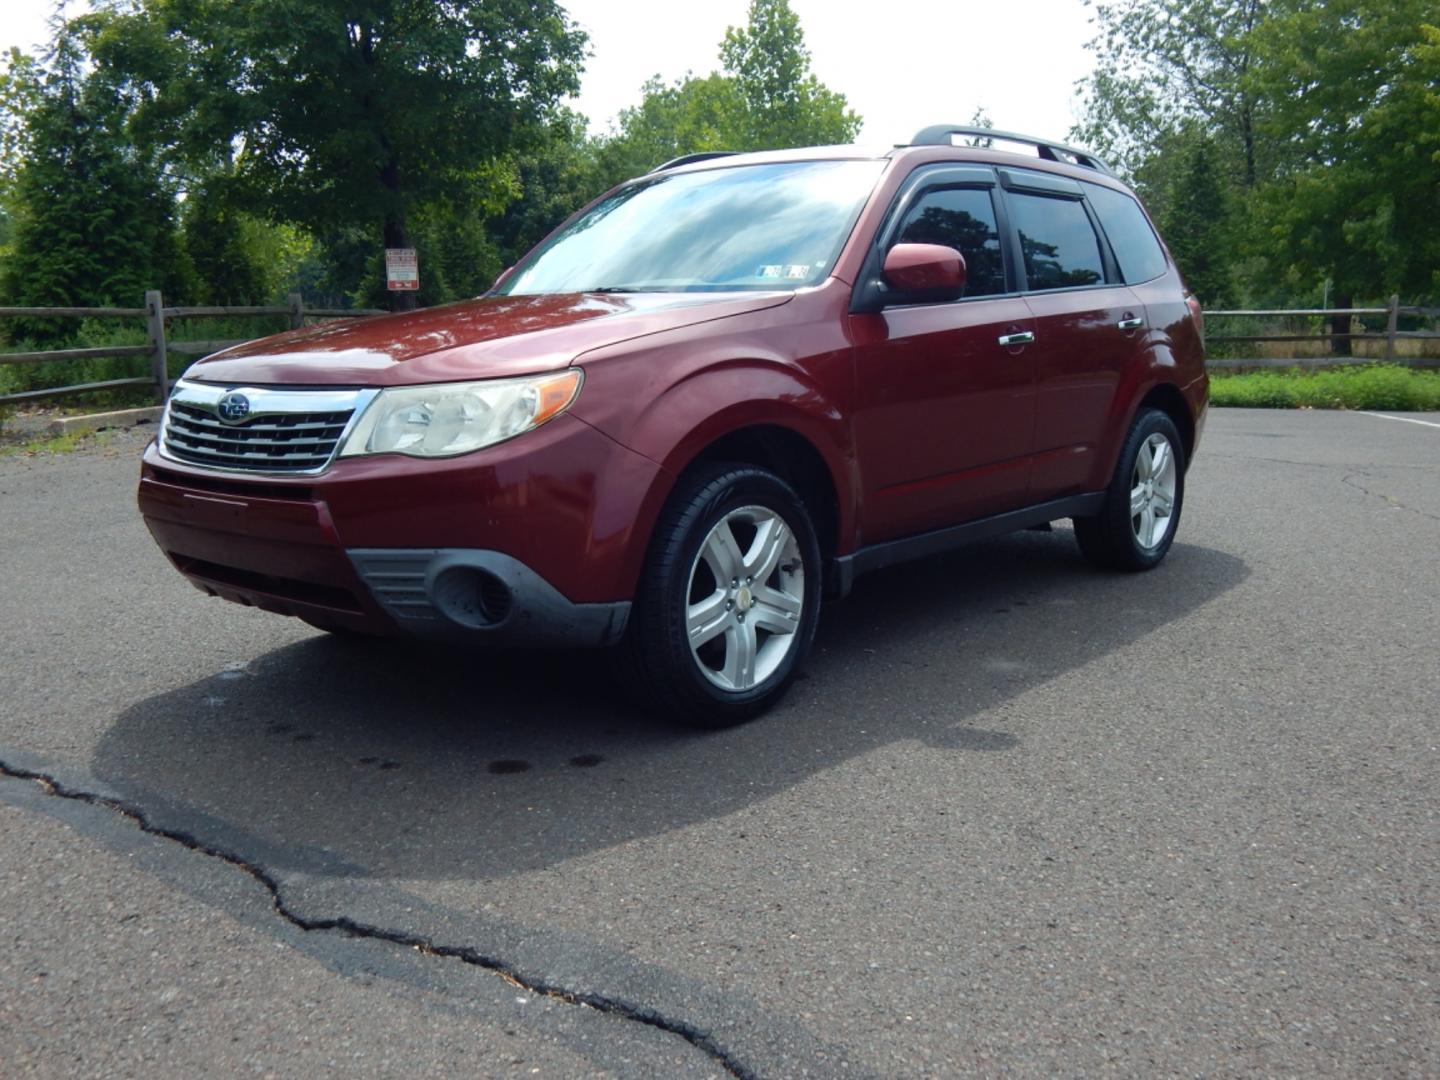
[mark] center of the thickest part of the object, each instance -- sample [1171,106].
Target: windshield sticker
[769,271]
[798,270]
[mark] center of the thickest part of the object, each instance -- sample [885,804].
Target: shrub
[1369,386]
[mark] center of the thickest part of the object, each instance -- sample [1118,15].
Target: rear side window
[1131,238]
[964,219]
[1057,241]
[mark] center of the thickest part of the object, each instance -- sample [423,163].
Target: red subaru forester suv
[716,393]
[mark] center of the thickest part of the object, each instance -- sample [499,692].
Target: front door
[945,392]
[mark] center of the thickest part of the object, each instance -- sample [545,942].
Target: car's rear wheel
[728,599]
[1136,526]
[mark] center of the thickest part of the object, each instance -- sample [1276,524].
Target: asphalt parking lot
[1019,816]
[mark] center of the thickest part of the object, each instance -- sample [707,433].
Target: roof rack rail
[690,159]
[1049,149]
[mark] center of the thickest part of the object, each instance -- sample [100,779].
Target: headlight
[446,419]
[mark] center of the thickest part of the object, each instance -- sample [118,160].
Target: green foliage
[1351,86]
[766,99]
[1196,224]
[689,116]
[1372,386]
[294,139]
[551,182]
[21,91]
[1163,64]
[93,215]
[1323,127]
[368,116]
[781,102]
[223,248]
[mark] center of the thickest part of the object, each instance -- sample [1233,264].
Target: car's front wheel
[1136,525]
[728,599]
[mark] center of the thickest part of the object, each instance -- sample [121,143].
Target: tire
[751,629]
[1136,525]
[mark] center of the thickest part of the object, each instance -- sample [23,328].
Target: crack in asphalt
[1390,500]
[341,924]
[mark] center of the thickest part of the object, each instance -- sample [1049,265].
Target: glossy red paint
[921,417]
[923,268]
[1082,354]
[944,415]
[476,339]
[565,499]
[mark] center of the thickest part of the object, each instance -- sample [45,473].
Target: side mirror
[920,273]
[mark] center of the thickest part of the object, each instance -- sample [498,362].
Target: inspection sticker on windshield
[797,270]
[770,271]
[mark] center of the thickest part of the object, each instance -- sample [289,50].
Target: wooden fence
[1391,336]
[158,349]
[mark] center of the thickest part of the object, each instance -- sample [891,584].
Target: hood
[475,339]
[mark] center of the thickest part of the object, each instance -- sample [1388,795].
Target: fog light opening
[474,598]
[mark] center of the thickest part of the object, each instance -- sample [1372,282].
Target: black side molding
[846,568]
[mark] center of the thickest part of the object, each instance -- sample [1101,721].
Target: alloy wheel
[745,598]
[1152,491]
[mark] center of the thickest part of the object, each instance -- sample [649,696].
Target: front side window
[1131,238]
[1057,241]
[963,219]
[739,228]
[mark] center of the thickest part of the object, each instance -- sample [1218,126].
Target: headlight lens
[446,419]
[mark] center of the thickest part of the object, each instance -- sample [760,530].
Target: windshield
[744,227]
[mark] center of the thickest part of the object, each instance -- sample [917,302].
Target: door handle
[1130,323]
[1025,337]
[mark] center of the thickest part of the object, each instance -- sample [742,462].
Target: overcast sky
[903,65]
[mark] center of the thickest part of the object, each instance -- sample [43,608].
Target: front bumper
[532,544]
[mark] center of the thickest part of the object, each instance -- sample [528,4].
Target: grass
[1368,386]
[53,444]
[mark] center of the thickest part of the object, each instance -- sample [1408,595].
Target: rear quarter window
[1133,241]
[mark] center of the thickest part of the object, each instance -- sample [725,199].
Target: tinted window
[728,228]
[1131,238]
[964,219]
[1057,240]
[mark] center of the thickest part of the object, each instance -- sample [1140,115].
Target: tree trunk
[397,236]
[1247,135]
[1340,324]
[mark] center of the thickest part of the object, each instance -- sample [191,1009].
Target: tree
[1196,224]
[236,257]
[689,116]
[766,99]
[1163,63]
[782,102]
[93,216]
[1322,123]
[343,114]
[551,181]
[1351,95]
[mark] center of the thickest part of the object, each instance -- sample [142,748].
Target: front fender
[695,403]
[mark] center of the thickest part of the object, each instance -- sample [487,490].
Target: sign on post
[402,270]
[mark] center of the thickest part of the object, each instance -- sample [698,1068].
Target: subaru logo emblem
[233,407]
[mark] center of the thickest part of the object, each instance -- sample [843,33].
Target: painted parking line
[1402,419]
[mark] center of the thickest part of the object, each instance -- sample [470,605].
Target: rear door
[1089,327]
[944,410]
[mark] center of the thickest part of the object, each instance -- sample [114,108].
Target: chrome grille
[287,431]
